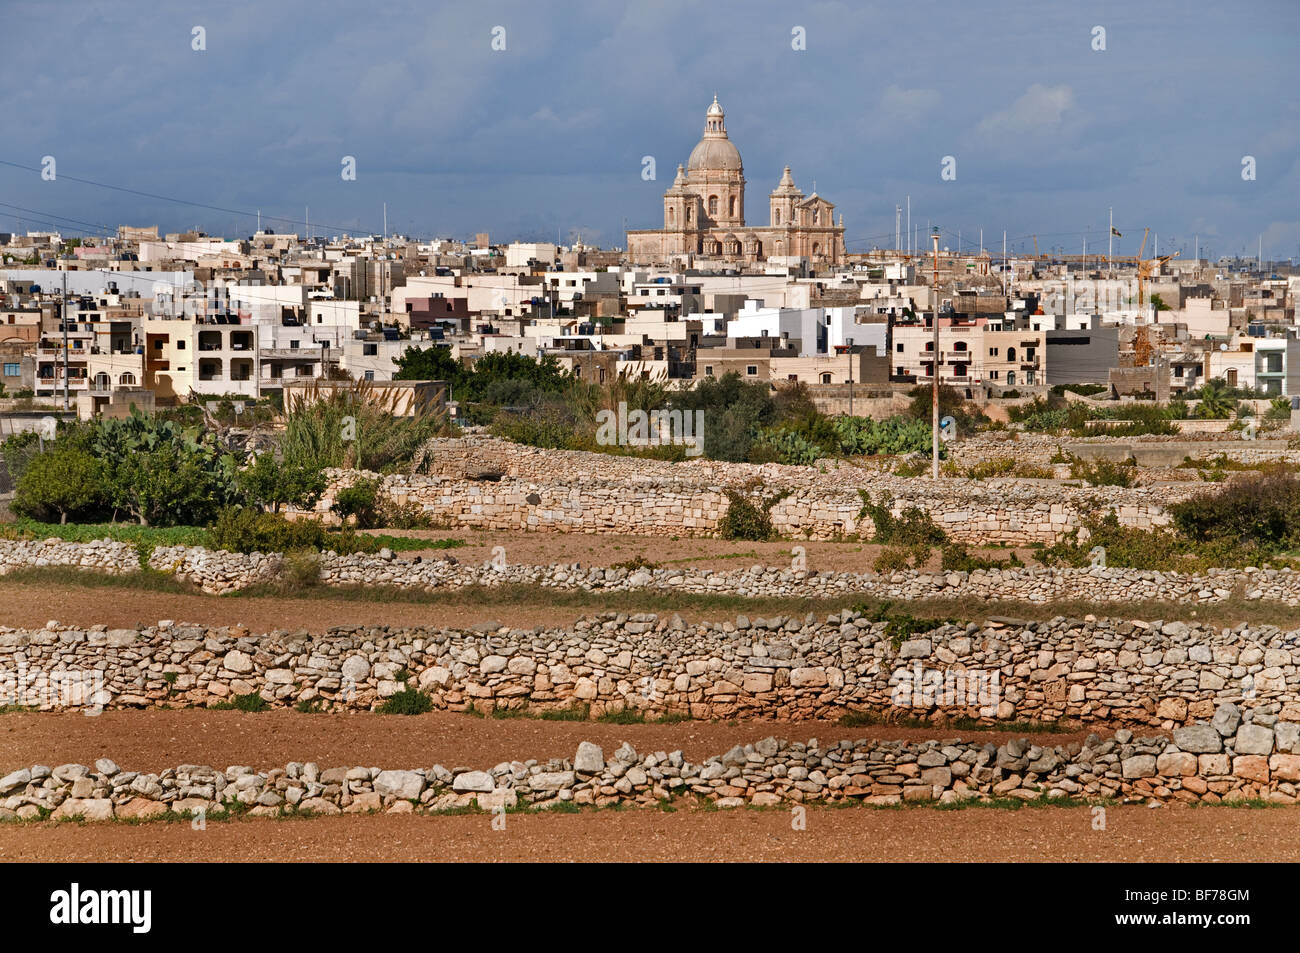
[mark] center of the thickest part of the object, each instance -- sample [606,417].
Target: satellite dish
[1223,347]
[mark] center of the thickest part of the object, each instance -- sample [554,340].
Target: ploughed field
[156,740]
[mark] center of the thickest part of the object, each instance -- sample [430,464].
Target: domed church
[704,212]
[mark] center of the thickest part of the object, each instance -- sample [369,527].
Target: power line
[192,204]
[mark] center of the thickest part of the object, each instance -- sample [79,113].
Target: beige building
[704,212]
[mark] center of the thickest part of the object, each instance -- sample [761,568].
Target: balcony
[292,353]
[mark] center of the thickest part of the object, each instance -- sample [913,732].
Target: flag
[1115,231]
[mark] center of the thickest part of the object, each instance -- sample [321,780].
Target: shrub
[359,502]
[747,520]
[892,559]
[1103,472]
[252,702]
[915,527]
[246,530]
[408,701]
[550,425]
[1158,550]
[956,557]
[354,427]
[899,626]
[1261,508]
[300,568]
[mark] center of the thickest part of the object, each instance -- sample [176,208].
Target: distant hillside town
[98,324]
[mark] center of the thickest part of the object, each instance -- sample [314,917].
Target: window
[293,345]
[1011,354]
[826,378]
[751,370]
[12,370]
[776,216]
[731,205]
[899,347]
[708,370]
[180,345]
[993,352]
[370,350]
[713,205]
[370,375]
[959,346]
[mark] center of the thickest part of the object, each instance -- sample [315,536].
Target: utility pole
[849,349]
[934,398]
[1004,262]
[385,221]
[63,321]
[909,224]
[1110,244]
[898,227]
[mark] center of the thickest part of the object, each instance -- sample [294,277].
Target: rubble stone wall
[1147,674]
[1229,759]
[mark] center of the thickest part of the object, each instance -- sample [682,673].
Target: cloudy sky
[548,135]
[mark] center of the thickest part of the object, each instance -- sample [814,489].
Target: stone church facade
[704,212]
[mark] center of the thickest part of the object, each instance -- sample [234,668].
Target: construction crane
[1146,267]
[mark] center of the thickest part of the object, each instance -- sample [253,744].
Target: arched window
[688,214]
[959,345]
[731,207]
[1011,354]
[670,217]
[826,378]
[102,381]
[776,216]
[1011,378]
[713,205]
[817,249]
[127,379]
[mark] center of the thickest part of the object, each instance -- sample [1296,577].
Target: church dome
[715,152]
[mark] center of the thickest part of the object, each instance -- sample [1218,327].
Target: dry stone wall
[491,485]
[220,572]
[1148,674]
[1231,758]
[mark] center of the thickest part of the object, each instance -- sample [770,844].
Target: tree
[268,482]
[62,480]
[1216,402]
[168,486]
[360,501]
[430,364]
[734,411]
